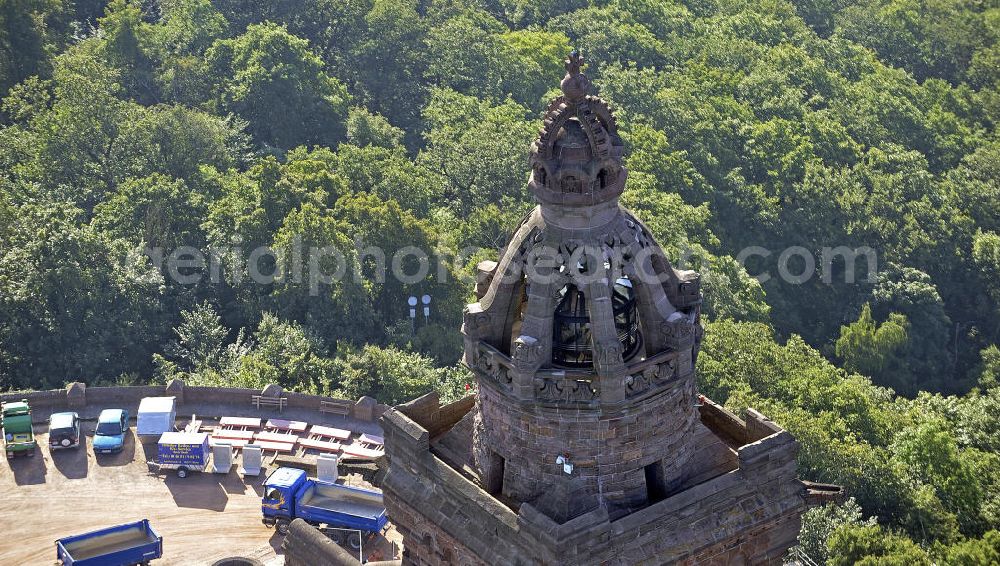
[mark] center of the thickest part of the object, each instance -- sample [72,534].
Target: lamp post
[412,301]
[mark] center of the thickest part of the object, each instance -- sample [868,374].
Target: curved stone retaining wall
[78,395]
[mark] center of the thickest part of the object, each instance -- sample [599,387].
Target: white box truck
[156,416]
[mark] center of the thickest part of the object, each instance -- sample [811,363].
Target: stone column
[527,358]
[608,363]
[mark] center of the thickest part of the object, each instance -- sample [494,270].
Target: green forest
[221,126]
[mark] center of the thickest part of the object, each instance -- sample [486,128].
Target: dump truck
[18,438]
[121,545]
[340,511]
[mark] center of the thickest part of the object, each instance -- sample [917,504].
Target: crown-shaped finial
[575,85]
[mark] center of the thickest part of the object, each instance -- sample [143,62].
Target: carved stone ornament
[651,377]
[476,324]
[679,335]
[487,365]
[575,85]
[607,358]
[527,353]
[553,389]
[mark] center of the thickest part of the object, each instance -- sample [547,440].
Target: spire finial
[574,62]
[575,84]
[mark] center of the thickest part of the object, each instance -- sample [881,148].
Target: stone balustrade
[577,388]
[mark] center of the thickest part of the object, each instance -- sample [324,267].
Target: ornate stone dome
[577,158]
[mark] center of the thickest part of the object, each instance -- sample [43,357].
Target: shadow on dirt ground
[198,490]
[275,542]
[71,462]
[148,446]
[232,483]
[256,484]
[28,470]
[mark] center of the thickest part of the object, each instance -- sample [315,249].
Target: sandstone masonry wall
[608,452]
[749,514]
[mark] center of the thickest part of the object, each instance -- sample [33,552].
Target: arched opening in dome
[572,342]
[602,179]
[626,316]
[515,316]
[541,177]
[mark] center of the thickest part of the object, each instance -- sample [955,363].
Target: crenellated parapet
[740,503]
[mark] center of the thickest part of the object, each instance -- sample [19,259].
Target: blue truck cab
[289,494]
[121,545]
[112,426]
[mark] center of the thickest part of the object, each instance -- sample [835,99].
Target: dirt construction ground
[54,494]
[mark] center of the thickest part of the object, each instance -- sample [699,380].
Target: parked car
[112,426]
[64,430]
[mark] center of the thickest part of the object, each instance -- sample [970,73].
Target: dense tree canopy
[196,189]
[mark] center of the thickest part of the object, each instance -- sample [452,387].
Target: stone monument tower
[586,442]
[600,330]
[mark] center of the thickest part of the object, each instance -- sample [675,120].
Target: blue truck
[121,545]
[337,509]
